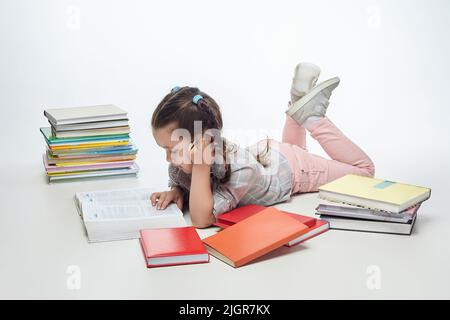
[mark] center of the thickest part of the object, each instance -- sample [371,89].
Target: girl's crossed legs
[310,170]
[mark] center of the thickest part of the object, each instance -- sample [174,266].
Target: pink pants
[311,171]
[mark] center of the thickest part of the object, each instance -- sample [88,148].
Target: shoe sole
[311,94]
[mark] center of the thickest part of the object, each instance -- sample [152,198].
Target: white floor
[44,252]
[392,57]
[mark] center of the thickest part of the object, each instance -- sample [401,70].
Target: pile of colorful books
[368,204]
[87,142]
[249,232]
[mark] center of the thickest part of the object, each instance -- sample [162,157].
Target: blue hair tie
[175,89]
[196,98]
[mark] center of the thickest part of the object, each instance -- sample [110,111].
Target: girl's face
[176,150]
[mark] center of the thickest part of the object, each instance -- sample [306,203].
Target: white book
[92,174]
[339,223]
[343,210]
[120,214]
[71,115]
[91,125]
[91,132]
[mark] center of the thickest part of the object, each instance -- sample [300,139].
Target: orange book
[255,236]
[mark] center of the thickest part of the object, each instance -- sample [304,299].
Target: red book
[315,226]
[172,246]
[254,237]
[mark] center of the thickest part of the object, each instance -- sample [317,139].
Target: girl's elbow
[204,223]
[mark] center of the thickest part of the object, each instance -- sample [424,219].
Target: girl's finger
[161,199]
[164,204]
[154,196]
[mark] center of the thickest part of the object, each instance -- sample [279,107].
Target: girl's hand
[202,151]
[163,199]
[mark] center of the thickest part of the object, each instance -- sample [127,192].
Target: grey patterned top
[250,182]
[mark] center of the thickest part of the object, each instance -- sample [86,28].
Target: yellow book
[67,173]
[89,145]
[87,161]
[373,193]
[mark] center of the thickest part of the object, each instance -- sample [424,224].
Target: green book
[51,139]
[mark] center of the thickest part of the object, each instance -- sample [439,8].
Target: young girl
[213,175]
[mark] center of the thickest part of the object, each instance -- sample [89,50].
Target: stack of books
[361,203]
[86,142]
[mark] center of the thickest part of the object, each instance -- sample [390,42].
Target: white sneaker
[305,77]
[314,103]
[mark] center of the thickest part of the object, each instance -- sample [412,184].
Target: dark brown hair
[177,106]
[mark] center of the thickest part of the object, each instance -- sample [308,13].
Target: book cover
[90,125]
[254,237]
[352,224]
[86,166]
[75,175]
[315,226]
[52,140]
[344,211]
[102,132]
[68,115]
[243,212]
[374,193]
[172,246]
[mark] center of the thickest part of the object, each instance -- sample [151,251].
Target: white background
[391,56]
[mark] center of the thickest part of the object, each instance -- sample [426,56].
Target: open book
[120,214]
